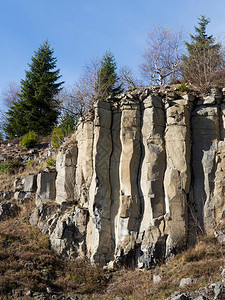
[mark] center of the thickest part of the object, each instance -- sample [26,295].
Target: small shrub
[5,167]
[51,162]
[57,137]
[29,163]
[29,140]
[182,87]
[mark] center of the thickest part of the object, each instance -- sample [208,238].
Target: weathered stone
[19,195]
[214,208]
[65,166]
[98,229]
[8,210]
[177,175]
[205,135]
[157,279]
[45,187]
[84,167]
[30,183]
[129,203]
[214,97]
[68,236]
[152,166]
[178,296]
[7,195]
[184,282]
[146,168]
[220,236]
[115,172]
[17,182]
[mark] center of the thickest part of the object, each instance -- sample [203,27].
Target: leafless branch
[163,55]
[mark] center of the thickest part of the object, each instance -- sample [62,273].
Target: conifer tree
[107,79]
[37,107]
[204,64]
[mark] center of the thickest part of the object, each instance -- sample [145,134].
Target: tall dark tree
[107,79]
[37,107]
[204,64]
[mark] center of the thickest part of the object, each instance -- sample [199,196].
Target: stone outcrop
[8,210]
[141,177]
[45,187]
[65,167]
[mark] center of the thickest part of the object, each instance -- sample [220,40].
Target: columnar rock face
[45,187]
[84,165]
[98,227]
[143,175]
[66,165]
[177,175]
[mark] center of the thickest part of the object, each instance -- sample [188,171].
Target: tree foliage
[37,107]
[108,83]
[203,66]
[97,81]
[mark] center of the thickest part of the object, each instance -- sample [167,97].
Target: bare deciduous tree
[10,93]
[79,98]
[127,79]
[162,57]
[8,96]
[205,68]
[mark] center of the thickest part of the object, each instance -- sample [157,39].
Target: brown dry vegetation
[27,263]
[203,262]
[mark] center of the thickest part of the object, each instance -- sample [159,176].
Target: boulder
[45,187]
[8,210]
[30,183]
[65,166]
[184,282]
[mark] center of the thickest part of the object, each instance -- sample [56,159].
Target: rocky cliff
[143,175]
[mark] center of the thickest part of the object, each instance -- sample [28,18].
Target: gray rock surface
[187,281]
[140,178]
[8,210]
[45,187]
[65,166]
[30,183]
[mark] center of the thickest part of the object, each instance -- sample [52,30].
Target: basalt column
[153,161]
[99,243]
[114,171]
[65,166]
[129,208]
[205,126]
[177,175]
[214,210]
[84,168]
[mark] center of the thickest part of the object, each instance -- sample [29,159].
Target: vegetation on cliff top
[36,106]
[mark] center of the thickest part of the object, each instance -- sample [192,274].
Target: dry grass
[203,262]
[27,263]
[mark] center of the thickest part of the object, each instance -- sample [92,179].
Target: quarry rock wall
[143,177]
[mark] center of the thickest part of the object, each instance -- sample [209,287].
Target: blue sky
[80,30]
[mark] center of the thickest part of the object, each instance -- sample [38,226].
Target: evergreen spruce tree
[107,79]
[37,107]
[203,66]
